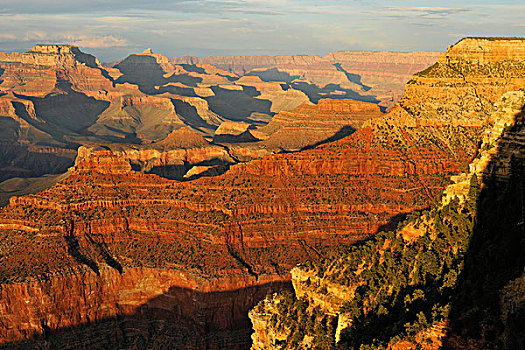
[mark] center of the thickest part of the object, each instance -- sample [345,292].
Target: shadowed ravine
[178,319]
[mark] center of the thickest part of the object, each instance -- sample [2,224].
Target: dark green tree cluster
[298,318]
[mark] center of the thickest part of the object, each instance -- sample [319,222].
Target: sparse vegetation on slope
[449,275]
[400,285]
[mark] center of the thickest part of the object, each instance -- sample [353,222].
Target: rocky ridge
[172,157]
[378,74]
[55,98]
[306,126]
[349,295]
[383,73]
[308,68]
[248,226]
[309,124]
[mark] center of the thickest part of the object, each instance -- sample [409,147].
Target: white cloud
[6,37]
[102,42]
[421,8]
[87,41]
[427,10]
[113,29]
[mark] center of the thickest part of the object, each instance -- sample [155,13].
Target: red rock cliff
[250,225]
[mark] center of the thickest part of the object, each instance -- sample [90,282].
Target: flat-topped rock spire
[57,55]
[54,49]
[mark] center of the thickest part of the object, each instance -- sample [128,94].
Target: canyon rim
[274,178]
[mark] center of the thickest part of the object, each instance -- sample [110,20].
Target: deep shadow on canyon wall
[488,308]
[179,319]
[19,160]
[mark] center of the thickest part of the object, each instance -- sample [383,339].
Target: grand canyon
[359,199]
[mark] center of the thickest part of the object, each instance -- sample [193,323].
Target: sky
[113,29]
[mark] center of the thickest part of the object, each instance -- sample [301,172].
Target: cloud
[505,7]
[106,41]
[427,11]
[260,7]
[103,42]
[422,8]
[35,36]
[112,29]
[6,37]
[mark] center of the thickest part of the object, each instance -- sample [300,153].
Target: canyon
[359,75]
[425,284]
[55,98]
[120,253]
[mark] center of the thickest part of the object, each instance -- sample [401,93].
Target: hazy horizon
[202,28]
[89,51]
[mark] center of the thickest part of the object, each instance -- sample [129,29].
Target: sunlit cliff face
[152,261]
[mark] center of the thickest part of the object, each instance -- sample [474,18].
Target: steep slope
[403,288]
[172,157]
[224,93]
[33,72]
[430,282]
[35,88]
[306,126]
[233,236]
[55,98]
[57,95]
[309,124]
[278,68]
[171,256]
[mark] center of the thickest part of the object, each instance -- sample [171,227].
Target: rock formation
[145,258]
[309,124]
[233,132]
[354,73]
[352,292]
[402,289]
[383,73]
[55,98]
[171,157]
[310,68]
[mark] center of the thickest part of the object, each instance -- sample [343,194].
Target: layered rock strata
[383,73]
[55,98]
[172,157]
[378,74]
[310,68]
[309,124]
[365,287]
[248,226]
